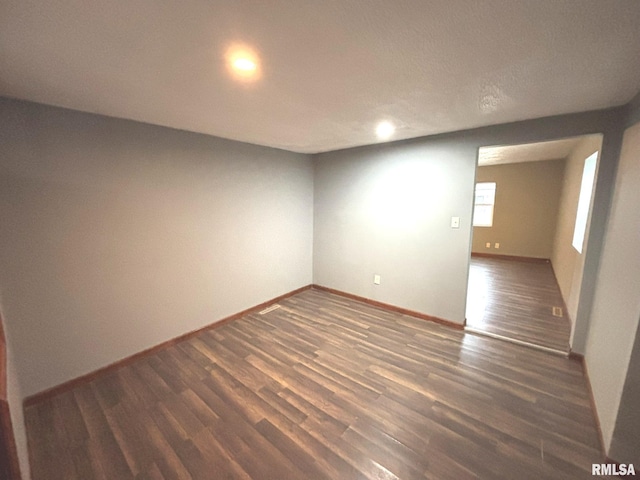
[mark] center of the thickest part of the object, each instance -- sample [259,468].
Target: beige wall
[524,220]
[567,263]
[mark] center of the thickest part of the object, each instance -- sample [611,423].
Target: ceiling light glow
[243,63]
[384,130]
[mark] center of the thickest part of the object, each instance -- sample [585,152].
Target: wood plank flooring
[515,299]
[323,388]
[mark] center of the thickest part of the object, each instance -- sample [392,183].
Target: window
[483,206]
[584,201]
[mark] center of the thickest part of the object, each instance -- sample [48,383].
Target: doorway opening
[531,220]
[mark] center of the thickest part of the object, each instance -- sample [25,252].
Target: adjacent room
[531,210]
[319,239]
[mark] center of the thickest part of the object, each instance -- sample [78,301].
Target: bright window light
[584,201]
[484,203]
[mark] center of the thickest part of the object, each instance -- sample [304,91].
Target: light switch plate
[455,222]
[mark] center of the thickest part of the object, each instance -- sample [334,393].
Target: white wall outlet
[376,279]
[455,222]
[488,245]
[497,245]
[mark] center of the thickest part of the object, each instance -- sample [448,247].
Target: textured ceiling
[330,70]
[529,152]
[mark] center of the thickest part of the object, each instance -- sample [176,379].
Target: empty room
[245,240]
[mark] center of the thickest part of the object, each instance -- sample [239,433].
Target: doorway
[525,270]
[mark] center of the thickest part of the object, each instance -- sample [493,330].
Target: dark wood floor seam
[541,348]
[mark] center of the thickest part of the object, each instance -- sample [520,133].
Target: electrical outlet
[376,279]
[497,245]
[488,245]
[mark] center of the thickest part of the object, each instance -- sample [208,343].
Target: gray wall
[616,304]
[633,111]
[625,444]
[367,221]
[117,235]
[524,217]
[386,210]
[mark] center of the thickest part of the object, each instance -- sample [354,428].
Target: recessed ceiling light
[243,63]
[384,130]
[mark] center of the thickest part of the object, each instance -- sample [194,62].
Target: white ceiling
[331,69]
[528,152]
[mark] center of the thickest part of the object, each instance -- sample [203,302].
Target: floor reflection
[515,299]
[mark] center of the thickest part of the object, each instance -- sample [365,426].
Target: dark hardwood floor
[514,299]
[323,388]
